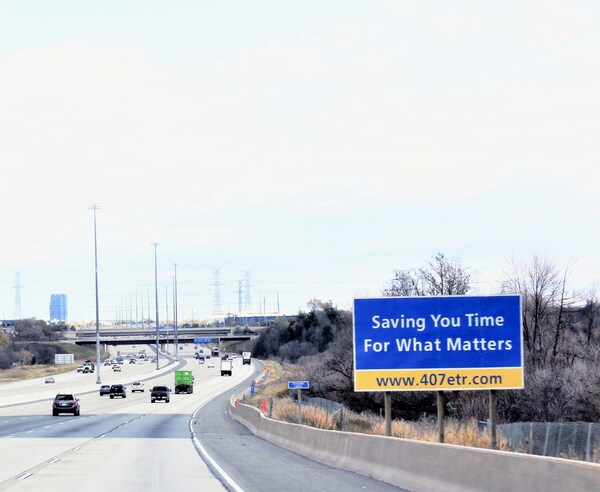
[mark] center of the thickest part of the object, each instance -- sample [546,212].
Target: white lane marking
[8,437]
[29,432]
[5,421]
[77,448]
[24,476]
[208,457]
[55,460]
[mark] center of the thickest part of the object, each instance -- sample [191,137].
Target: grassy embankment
[19,372]
[274,389]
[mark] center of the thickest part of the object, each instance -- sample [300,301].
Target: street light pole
[175,338]
[98,380]
[156,304]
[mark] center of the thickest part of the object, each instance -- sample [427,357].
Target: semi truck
[184,382]
[226,366]
[246,358]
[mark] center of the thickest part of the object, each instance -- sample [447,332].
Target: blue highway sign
[304,385]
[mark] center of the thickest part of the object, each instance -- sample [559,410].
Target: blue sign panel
[298,385]
[417,334]
[202,340]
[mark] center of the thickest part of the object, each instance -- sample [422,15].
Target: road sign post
[299,385]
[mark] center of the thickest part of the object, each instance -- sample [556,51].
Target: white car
[49,379]
[137,386]
[210,364]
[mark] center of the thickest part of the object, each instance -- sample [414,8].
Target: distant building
[58,307]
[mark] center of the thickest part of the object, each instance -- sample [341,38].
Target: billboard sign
[438,343]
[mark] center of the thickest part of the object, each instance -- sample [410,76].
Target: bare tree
[538,284]
[445,277]
[442,277]
[405,283]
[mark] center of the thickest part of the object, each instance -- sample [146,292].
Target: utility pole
[156,305]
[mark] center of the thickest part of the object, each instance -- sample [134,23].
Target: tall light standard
[156,304]
[175,338]
[98,380]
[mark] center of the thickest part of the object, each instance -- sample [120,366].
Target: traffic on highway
[135,429]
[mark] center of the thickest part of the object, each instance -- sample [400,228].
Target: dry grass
[460,433]
[273,390]
[18,373]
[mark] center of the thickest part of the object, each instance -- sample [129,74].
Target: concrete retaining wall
[422,466]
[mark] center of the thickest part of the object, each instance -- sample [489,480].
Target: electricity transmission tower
[17,287]
[247,299]
[217,291]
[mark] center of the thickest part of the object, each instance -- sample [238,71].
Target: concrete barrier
[423,466]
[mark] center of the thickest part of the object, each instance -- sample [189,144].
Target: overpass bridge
[121,336]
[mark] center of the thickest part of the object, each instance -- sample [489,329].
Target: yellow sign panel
[438,379]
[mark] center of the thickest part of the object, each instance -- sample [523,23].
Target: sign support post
[441,411]
[493,418]
[387,404]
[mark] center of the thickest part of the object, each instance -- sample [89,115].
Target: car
[117,390]
[132,361]
[104,389]
[200,361]
[210,365]
[108,362]
[160,393]
[49,379]
[87,370]
[65,403]
[80,369]
[137,386]
[117,368]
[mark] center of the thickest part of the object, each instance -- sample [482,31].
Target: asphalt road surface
[128,444]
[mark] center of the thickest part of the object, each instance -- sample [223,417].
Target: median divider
[422,466]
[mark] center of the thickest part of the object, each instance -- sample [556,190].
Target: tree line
[29,344]
[561,336]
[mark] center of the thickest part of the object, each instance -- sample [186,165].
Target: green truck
[184,382]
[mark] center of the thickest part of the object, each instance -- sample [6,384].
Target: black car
[117,390]
[65,403]
[104,389]
[160,393]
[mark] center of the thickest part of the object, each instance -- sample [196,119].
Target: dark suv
[117,390]
[65,403]
[160,393]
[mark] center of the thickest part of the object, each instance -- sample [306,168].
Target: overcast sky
[318,145]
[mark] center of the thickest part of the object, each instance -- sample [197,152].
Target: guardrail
[422,466]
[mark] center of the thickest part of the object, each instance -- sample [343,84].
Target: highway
[125,444]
